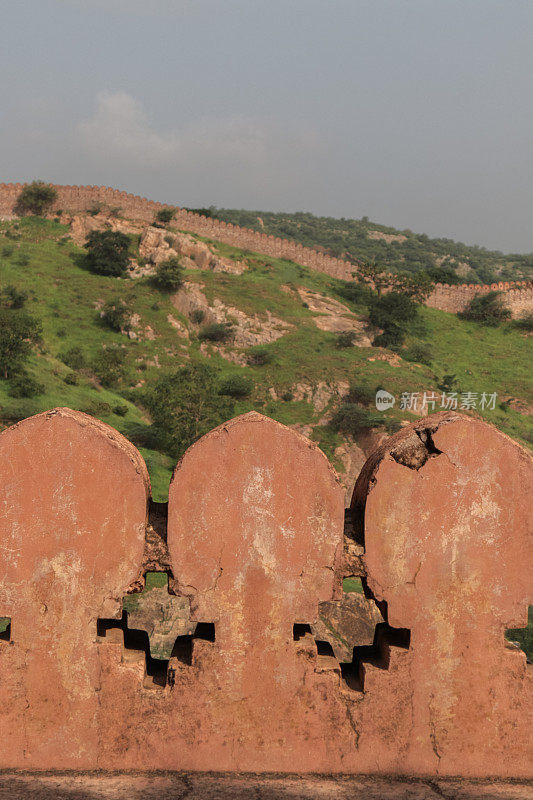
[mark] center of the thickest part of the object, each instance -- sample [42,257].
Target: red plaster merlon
[448,548]
[73,496]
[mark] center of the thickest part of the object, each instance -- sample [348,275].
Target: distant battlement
[518,295]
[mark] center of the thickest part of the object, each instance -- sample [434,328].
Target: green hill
[305,371]
[399,250]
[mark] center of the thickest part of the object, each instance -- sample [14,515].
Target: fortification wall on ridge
[518,295]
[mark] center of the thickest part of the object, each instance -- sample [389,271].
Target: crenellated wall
[518,295]
[442,540]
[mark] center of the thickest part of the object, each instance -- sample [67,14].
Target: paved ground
[197,786]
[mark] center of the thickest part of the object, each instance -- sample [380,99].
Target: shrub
[107,252]
[197,316]
[36,198]
[259,357]
[362,395]
[356,293]
[7,251]
[23,385]
[116,314]
[169,275]
[19,332]
[184,405]
[11,297]
[216,332]
[108,365]
[420,353]
[236,386]
[352,419]
[73,358]
[120,410]
[346,339]
[165,215]
[97,408]
[487,309]
[71,379]
[393,312]
[23,259]
[287,396]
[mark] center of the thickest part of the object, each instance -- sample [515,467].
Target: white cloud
[120,130]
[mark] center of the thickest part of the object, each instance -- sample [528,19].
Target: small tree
[352,419]
[19,332]
[393,312]
[346,339]
[36,198]
[107,252]
[237,386]
[23,385]
[73,358]
[487,309]
[169,275]
[116,314]
[108,365]
[259,357]
[216,332]
[11,297]
[184,405]
[165,215]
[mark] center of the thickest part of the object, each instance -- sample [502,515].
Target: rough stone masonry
[440,525]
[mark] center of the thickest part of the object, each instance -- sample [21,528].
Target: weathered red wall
[256,541]
[518,295]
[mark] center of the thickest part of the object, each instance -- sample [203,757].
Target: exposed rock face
[82,224]
[247,331]
[348,623]
[159,244]
[334,316]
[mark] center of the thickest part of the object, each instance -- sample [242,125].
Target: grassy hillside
[400,251]
[38,257]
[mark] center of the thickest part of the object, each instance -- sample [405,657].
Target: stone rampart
[518,295]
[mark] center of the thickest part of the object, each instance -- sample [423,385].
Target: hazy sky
[417,113]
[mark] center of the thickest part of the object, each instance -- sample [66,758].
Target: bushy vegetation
[216,332]
[185,404]
[236,386]
[19,332]
[169,275]
[36,198]
[346,339]
[107,252]
[393,313]
[165,215]
[487,309]
[116,313]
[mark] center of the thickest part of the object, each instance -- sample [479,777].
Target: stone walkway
[201,786]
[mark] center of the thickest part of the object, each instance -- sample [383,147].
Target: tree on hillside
[169,275]
[417,286]
[165,215]
[36,198]
[394,313]
[107,252]
[185,404]
[19,332]
[488,309]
